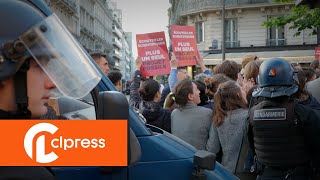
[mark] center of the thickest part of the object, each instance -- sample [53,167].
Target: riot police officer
[37,54]
[277,130]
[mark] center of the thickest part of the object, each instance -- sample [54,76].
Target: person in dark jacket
[146,98]
[302,96]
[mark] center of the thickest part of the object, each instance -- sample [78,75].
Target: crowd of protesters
[210,112]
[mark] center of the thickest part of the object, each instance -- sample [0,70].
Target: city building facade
[87,17]
[117,36]
[244,32]
[68,12]
[102,26]
[131,58]
[125,65]
[90,21]
[97,25]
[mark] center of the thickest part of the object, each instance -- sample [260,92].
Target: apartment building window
[276,36]
[231,30]
[200,32]
[74,26]
[82,16]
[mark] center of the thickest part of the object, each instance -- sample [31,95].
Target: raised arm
[173,72]
[135,98]
[200,63]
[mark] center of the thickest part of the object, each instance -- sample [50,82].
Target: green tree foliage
[300,18]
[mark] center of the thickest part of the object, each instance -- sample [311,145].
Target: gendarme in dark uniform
[277,131]
[32,57]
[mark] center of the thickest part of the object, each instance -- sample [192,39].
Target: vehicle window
[69,108]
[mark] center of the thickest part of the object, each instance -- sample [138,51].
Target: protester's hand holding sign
[200,63]
[173,62]
[138,63]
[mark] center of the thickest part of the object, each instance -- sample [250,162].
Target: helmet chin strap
[21,93]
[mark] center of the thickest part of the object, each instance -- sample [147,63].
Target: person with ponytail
[145,98]
[169,102]
[212,84]
[229,123]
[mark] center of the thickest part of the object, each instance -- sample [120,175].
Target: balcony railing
[67,5]
[241,2]
[117,42]
[71,4]
[185,6]
[116,56]
[276,42]
[232,44]
[107,5]
[116,20]
[117,53]
[117,31]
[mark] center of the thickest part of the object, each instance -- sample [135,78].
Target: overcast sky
[144,16]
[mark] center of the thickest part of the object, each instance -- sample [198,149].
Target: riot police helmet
[30,31]
[276,78]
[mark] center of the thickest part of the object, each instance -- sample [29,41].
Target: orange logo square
[63,142]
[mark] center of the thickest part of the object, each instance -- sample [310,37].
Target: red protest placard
[184,44]
[152,49]
[317,53]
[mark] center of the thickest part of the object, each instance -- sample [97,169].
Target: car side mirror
[203,160]
[114,105]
